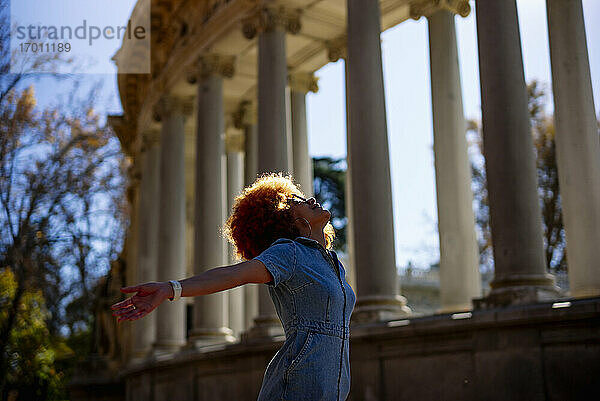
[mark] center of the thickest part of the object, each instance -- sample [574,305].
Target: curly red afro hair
[261,215]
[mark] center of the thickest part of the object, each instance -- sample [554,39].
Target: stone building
[225,101]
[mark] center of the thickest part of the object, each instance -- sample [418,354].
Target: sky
[405,53]
[92,54]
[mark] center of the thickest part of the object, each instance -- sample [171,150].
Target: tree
[61,212]
[542,130]
[30,352]
[329,187]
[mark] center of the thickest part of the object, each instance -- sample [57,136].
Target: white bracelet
[176,290]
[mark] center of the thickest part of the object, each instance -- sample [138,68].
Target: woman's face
[310,210]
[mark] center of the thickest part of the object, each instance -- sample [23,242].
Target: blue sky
[93,56]
[408,102]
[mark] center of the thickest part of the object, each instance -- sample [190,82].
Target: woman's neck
[319,236]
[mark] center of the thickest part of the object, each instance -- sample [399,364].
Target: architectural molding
[211,64]
[170,104]
[245,115]
[271,18]
[125,131]
[337,48]
[150,138]
[235,140]
[425,8]
[303,82]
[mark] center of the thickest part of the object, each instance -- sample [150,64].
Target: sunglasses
[297,199]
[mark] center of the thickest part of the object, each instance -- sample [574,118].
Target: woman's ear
[303,225]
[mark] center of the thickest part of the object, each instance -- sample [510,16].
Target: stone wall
[520,353]
[532,352]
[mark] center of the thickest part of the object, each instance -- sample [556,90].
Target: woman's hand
[148,296]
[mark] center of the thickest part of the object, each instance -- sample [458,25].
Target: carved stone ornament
[337,49]
[267,19]
[245,115]
[303,82]
[211,64]
[169,104]
[235,141]
[425,8]
[150,138]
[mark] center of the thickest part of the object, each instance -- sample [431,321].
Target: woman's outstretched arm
[224,278]
[149,295]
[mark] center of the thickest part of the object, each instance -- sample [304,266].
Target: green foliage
[30,351]
[329,186]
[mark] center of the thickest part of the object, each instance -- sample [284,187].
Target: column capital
[425,8]
[337,48]
[235,141]
[150,138]
[211,64]
[245,115]
[303,82]
[270,18]
[171,104]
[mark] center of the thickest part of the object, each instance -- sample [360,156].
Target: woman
[286,241]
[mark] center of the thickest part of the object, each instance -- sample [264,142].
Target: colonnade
[271,136]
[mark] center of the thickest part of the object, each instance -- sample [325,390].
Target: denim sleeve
[280,261]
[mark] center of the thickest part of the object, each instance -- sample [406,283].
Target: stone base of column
[265,328]
[519,290]
[140,357]
[379,308]
[163,348]
[456,308]
[200,338]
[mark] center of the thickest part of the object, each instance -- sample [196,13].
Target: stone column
[300,85]
[577,145]
[274,150]
[273,139]
[515,219]
[251,161]
[350,247]
[247,122]
[274,147]
[251,153]
[170,316]
[128,352]
[376,276]
[234,144]
[245,119]
[460,280]
[336,50]
[210,311]
[144,330]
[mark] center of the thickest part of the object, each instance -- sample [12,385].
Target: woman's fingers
[122,304]
[131,311]
[126,309]
[133,315]
[128,314]
[139,305]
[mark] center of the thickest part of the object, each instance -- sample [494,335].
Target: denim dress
[314,303]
